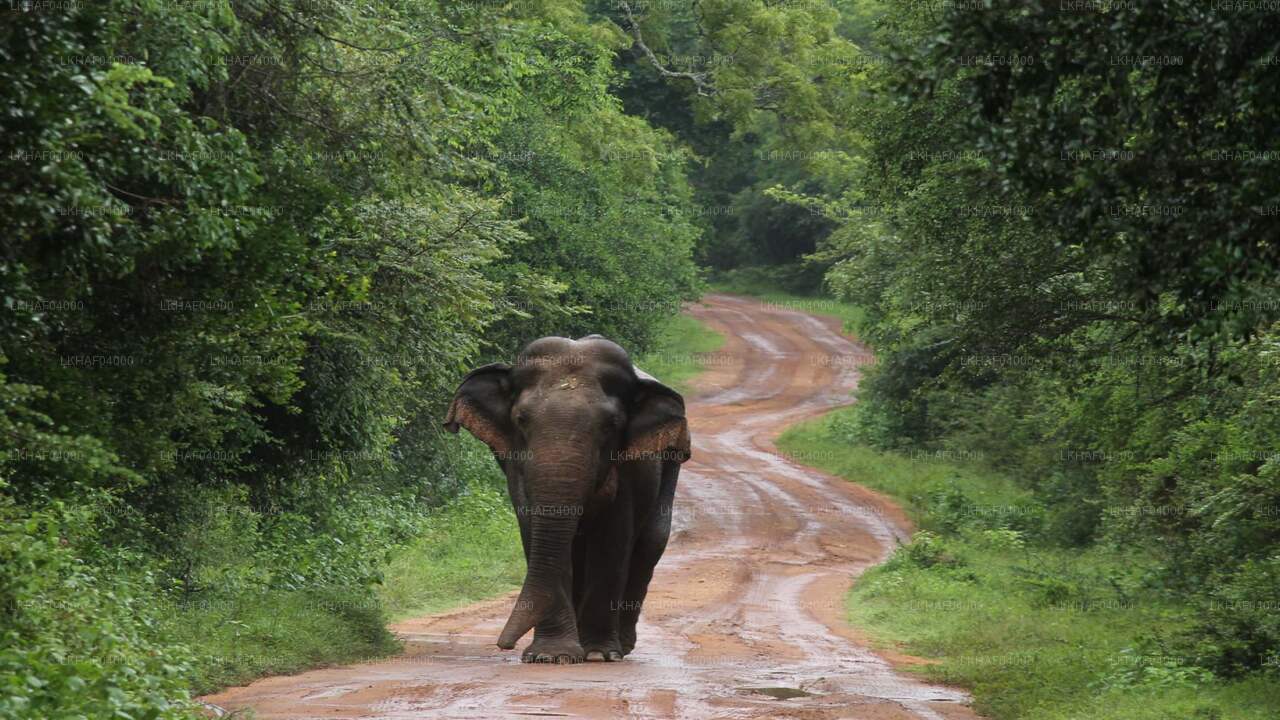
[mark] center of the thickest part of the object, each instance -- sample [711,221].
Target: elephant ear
[482,405]
[657,425]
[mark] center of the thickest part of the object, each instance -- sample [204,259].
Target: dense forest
[1066,245]
[249,247]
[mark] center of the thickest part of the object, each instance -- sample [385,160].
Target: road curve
[744,617]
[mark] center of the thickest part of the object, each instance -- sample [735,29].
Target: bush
[1120,366]
[1239,629]
[1152,667]
[799,278]
[926,550]
[80,639]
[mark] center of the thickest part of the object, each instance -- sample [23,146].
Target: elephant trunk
[550,568]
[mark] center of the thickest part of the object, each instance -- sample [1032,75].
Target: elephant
[591,448]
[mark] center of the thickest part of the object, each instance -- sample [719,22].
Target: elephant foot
[556,650]
[603,651]
[604,655]
[628,642]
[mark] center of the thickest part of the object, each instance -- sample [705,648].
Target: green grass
[240,637]
[469,551]
[759,287]
[1036,633]
[679,348]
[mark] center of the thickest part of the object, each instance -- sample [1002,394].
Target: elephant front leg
[555,639]
[601,603]
[632,602]
[553,643]
[520,503]
[650,543]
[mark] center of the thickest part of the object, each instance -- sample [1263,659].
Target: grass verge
[851,316]
[469,551]
[676,358]
[241,637]
[1034,632]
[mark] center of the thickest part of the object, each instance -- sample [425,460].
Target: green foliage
[469,550]
[250,249]
[773,286]
[238,637]
[80,636]
[762,281]
[759,92]
[1034,630]
[606,201]
[1052,228]
[925,550]
[1238,630]
[948,497]
[681,349]
[1108,126]
[1136,668]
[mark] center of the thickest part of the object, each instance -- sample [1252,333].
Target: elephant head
[559,422]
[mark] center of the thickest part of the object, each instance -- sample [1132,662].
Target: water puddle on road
[778,693]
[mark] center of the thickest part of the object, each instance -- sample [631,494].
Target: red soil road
[748,599]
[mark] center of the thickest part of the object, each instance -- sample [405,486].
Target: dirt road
[745,614]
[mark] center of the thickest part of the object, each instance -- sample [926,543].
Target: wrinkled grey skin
[591,451]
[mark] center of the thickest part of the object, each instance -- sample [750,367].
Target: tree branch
[316,29]
[700,82]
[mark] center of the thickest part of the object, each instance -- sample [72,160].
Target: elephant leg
[650,543]
[643,560]
[606,568]
[579,570]
[521,504]
[555,638]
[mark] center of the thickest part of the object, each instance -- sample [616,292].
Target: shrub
[1239,629]
[926,550]
[80,639]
